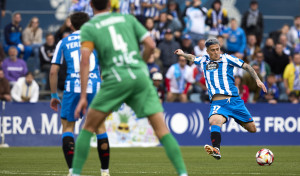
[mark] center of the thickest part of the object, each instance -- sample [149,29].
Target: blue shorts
[231,107]
[69,103]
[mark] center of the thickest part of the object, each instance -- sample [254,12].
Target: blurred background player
[68,49]
[223,94]
[125,79]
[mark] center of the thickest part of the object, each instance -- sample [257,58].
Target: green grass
[151,161]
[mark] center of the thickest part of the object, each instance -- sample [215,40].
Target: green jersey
[116,38]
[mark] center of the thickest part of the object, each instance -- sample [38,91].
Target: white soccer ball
[264,157]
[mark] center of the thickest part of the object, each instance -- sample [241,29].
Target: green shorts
[138,93]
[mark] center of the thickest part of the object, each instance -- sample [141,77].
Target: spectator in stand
[276,34]
[81,6]
[217,18]
[168,44]
[293,98]
[152,66]
[252,21]
[13,37]
[2,55]
[13,67]
[65,28]
[286,48]
[115,6]
[268,49]
[174,13]
[273,91]
[252,48]
[2,10]
[46,54]
[125,6]
[291,76]
[222,44]
[242,88]
[200,49]
[25,89]
[186,44]
[4,88]
[154,33]
[136,10]
[152,8]
[278,62]
[265,69]
[164,23]
[236,38]
[251,84]
[32,37]
[294,33]
[194,17]
[178,80]
[157,79]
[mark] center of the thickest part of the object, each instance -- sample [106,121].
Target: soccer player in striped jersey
[68,49]
[224,96]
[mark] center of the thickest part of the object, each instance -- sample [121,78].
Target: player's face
[214,52]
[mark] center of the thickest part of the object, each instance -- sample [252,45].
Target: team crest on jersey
[212,66]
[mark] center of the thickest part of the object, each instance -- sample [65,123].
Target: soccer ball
[264,157]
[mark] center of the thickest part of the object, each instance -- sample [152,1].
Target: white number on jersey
[76,61]
[117,40]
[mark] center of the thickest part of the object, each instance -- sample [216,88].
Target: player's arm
[149,46]
[86,50]
[253,74]
[189,57]
[53,86]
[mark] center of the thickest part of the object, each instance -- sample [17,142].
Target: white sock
[75,175]
[70,170]
[104,170]
[183,174]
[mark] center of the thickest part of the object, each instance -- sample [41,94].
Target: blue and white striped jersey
[69,49]
[219,74]
[125,6]
[153,11]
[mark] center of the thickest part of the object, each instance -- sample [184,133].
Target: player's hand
[178,52]
[261,85]
[54,104]
[81,107]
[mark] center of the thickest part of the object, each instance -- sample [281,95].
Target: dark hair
[211,41]
[78,19]
[49,34]
[29,73]
[99,4]
[298,16]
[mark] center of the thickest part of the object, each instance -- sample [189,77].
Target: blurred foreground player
[125,79]
[69,49]
[224,96]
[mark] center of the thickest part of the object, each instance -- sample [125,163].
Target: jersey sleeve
[198,60]
[140,31]
[86,33]
[234,61]
[58,54]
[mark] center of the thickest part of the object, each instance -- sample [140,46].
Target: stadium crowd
[172,24]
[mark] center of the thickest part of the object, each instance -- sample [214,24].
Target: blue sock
[102,136]
[69,134]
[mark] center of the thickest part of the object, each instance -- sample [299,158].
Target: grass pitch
[31,161]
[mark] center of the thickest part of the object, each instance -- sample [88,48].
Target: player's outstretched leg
[103,149]
[169,142]
[82,147]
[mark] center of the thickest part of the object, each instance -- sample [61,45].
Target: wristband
[54,95]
